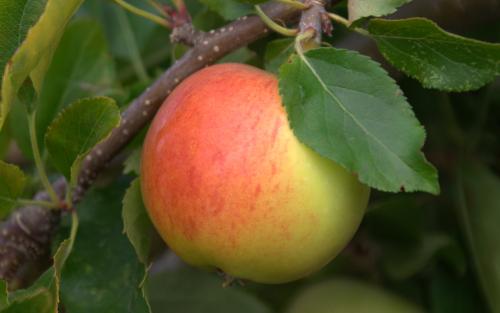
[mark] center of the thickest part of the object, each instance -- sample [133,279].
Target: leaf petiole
[45,204]
[303,37]
[157,7]
[38,159]
[274,26]
[342,20]
[140,12]
[296,4]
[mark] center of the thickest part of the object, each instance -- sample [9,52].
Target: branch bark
[315,20]
[26,235]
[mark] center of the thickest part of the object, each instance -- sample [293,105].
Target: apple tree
[304,156]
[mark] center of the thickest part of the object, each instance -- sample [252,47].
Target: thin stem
[30,202]
[157,7]
[45,204]
[294,3]
[74,226]
[38,160]
[140,12]
[71,240]
[305,36]
[339,19]
[342,20]
[273,25]
[69,196]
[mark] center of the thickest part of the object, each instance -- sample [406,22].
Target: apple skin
[349,296]
[229,186]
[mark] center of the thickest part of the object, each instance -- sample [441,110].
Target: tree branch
[315,19]
[26,235]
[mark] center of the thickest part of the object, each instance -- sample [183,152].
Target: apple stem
[228,280]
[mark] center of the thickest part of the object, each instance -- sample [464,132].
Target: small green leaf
[32,58]
[438,59]
[364,8]
[277,52]
[77,129]
[478,201]
[193,291]
[228,9]
[335,107]
[136,222]
[102,274]
[12,183]
[132,164]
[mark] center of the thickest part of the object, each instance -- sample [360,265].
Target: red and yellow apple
[229,186]
[349,296]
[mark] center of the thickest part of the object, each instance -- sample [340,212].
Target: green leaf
[32,58]
[12,183]
[335,107]
[5,137]
[364,8]
[449,294]
[77,129]
[194,291]
[438,59]
[127,33]
[16,17]
[132,164]
[228,9]
[102,274]
[3,295]
[136,222]
[277,52]
[241,55]
[478,201]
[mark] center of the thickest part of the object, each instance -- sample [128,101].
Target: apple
[349,296]
[228,185]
